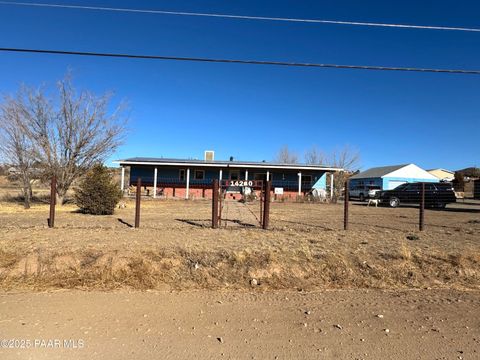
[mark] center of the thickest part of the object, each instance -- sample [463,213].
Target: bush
[98,194]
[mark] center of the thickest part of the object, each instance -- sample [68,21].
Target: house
[442,174]
[389,177]
[189,178]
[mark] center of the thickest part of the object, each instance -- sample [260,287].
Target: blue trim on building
[384,182]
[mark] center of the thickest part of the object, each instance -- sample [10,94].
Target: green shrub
[98,194]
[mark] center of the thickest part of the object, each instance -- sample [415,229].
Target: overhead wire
[239,61]
[241,17]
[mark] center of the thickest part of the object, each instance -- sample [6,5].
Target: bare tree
[314,156]
[16,148]
[286,156]
[72,136]
[348,159]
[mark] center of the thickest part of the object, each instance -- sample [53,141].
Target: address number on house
[242,183]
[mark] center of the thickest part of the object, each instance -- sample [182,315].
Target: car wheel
[361,197]
[394,202]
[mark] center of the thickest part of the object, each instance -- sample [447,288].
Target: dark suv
[436,194]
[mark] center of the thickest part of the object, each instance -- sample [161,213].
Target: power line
[242,17]
[240,61]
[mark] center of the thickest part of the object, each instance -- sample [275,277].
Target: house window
[181,174]
[262,176]
[234,175]
[199,175]
[307,178]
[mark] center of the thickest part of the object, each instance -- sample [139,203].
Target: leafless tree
[314,156]
[348,159]
[286,156]
[16,149]
[72,133]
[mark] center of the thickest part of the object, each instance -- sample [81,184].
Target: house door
[235,175]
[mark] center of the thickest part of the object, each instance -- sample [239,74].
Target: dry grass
[183,268]
[174,248]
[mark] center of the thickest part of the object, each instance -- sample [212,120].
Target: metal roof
[221,164]
[377,172]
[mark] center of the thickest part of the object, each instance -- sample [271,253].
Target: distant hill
[470,172]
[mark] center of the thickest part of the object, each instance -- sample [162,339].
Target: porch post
[246,174]
[220,175]
[268,175]
[331,185]
[299,183]
[155,183]
[122,181]
[187,192]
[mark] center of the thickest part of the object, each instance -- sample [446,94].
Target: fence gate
[241,202]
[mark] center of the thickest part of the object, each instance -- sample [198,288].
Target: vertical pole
[137,202]
[331,186]
[122,181]
[345,206]
[220,175]
[421,215]
[266,206]
[220,199]
[299,183]
[53,193]
[261,206]
[215,204]
[155,183]
[246,174]
[268,175]
[187,192]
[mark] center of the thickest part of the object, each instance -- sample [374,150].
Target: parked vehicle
[436,195]
[363,192]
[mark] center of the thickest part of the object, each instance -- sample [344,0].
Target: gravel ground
[426,324]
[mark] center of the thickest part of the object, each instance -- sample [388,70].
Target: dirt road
[421,324]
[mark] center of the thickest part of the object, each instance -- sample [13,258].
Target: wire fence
[409,207]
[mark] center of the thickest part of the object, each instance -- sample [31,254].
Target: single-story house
[193,178]
[389,177]
[442,174]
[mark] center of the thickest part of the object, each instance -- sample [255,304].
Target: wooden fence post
[137,202]
[53,201]
[266,205]
[345,206]
[215,204]
[261,207]
[421,215]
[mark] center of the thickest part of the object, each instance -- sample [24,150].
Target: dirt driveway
[425,324]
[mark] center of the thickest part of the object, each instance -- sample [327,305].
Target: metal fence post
[421,215]
[53,200]
[266,206]
[215,204]
[345,206]
[137,202]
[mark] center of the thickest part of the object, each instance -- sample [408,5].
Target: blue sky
[249,112]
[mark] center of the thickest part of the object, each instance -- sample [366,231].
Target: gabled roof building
[389,177]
